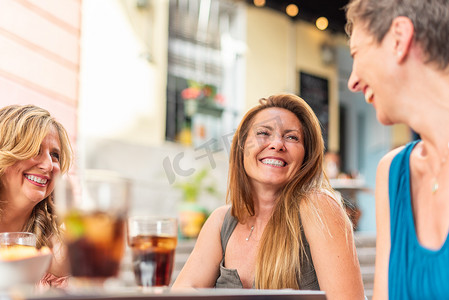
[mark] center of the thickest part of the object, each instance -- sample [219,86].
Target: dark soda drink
[96,244]
[153,259]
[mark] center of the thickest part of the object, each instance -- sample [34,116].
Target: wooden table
[155,294]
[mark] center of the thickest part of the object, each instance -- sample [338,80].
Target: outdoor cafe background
[121,74]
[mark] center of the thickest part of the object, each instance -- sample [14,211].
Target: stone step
[185,246]
[369,290]
[180,259]
[367,256]
[367,275]
[364,239]
[366,252]
[369,285]
[369,294]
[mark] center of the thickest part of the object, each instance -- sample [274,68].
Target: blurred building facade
[40,57]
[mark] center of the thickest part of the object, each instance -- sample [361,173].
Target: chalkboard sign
[315,91]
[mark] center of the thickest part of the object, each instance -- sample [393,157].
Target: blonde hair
[281,249]
[22,130]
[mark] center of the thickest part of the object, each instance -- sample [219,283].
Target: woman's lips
[36,180]
[273,162]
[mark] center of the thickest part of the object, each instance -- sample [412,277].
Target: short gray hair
[430,19]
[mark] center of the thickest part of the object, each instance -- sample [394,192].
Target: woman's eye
[55,156]
[292,138]
[262,132]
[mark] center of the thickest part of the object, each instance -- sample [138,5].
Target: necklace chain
[435,184]
[250,232]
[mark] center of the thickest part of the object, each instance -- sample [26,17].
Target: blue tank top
[414,272]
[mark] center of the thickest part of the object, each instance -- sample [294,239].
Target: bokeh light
[292,10]
[259,3]
[322,23]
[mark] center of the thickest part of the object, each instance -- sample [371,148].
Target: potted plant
[192,214]
[198,99]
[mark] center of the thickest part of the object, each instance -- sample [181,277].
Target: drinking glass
[22,265]
[153,242]
[94,210]
[9,239]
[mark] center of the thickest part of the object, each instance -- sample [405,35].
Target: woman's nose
[45,162]
[277,143]
[354,82]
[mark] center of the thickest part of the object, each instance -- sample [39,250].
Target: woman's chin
[383,119]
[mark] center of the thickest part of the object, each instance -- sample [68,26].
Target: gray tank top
[229,278]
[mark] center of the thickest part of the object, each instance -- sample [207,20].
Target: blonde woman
[284,229]
[34,150]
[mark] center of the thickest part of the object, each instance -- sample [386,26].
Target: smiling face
[371,71]
[274,149]
[28,182]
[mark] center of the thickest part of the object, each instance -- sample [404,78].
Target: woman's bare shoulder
[221,210]
[385,161]
[217,216]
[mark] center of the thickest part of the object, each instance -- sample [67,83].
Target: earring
[399,53]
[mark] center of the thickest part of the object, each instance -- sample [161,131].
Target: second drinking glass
[153,242]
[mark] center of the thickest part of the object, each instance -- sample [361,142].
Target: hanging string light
[259,3]
[322,23]
[292,10]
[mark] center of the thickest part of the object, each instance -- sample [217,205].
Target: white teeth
[36,179]
[369,95]
[273,162]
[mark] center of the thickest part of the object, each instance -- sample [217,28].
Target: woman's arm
[382,227]
[333,251]
[58,272]
[60,262]
[203,265]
